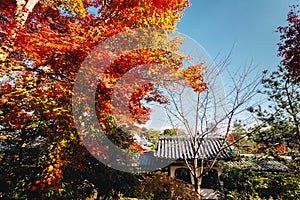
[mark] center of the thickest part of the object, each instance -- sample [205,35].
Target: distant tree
[289,46]
[169,132]
[151,134]
[240,137]
[173,132]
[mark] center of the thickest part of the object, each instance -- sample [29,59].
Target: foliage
[247,184]
[282,133]
[22,177]
[239,136]
[151,134]
[290,44]
[173,132]
[160,186]
[43,44]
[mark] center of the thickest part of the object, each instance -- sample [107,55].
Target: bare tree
[210,113]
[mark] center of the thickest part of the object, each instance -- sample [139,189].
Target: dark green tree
[282,88]
[281,116]
[240,137]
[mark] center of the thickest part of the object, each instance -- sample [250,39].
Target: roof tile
[179,147]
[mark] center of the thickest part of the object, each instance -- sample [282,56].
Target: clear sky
[249,25]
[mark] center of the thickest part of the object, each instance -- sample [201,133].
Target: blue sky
[249,25]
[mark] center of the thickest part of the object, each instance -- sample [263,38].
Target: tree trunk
[198,176]
[20,19]
[22,15]
[197,186]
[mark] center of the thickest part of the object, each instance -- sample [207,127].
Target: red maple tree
[289,46]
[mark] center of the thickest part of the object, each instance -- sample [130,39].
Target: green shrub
[247,184]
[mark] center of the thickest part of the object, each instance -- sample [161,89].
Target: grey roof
[180,147]
[148,162]
[170,149]
[258,164]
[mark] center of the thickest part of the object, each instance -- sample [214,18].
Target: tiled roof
[170,149]
[258,164]
[149,162]
[180,147]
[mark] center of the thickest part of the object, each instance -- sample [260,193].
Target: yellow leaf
[63,143]
[50,168]
[5,99]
